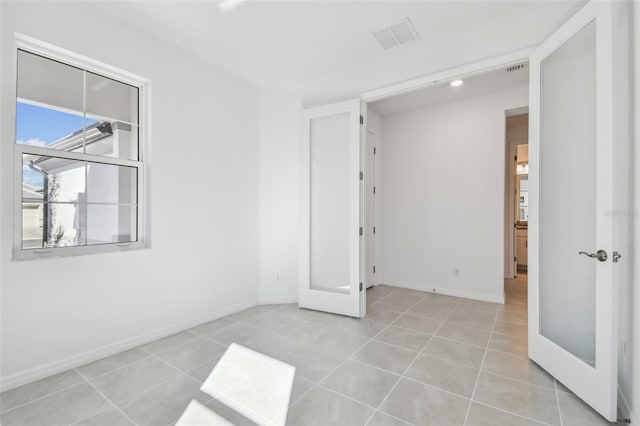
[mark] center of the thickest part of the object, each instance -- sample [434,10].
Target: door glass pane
[567,194]
[330,202]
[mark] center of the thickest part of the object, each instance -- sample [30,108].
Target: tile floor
[417,358]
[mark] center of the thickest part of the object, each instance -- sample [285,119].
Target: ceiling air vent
[397,34]
[517,67]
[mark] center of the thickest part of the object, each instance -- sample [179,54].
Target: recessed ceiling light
[456,83]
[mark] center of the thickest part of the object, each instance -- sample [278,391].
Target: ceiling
[327,48]
[477,85]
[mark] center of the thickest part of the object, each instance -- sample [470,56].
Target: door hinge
[361,176]
[514,259]
[374,269]
[360,286]
[361,230]
[374,229]
[374,150]
[361,120]
[374,189]
[515,158]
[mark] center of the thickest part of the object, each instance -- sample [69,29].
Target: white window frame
[67,57]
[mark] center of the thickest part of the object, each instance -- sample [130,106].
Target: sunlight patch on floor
[250,383]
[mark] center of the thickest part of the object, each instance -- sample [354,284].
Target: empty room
[247,212]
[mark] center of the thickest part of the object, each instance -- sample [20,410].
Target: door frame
[461,72]
[369,240]
[511,197]
[429,80]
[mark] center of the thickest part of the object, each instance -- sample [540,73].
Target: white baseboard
[40,372]
[276,300]
[446,291]
[623,406]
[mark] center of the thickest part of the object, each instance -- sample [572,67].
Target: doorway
[516,217]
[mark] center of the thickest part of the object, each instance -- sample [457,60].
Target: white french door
[572,293]
[330,212]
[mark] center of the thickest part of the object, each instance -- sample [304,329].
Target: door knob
[601,255]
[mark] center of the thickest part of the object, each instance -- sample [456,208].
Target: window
[79,157]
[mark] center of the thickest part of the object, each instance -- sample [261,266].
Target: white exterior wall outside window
[79,155]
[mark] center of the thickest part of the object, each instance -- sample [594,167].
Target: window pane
[52,225]
[50,83]
[113,139]
[33,232]
[107,183]
[53,179]
[113,104]
[40,126]
[111,224]
[49,108]
[111,100]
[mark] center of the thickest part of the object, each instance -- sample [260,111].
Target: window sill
[20,255]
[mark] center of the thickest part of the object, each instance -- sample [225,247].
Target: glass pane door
[568,194]
[329,274]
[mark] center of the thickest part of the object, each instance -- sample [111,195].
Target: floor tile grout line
[516,380]
[43,396]
[162,382]
[412,362]
[83,377]
[201,365]
[555,386]
[475,386]
[446,390]
[317,384]
[222,397]
[217,331]
[511,412]
[349,357]
[115,369]
[196,337]
[251,376]
[113,404]
[387,414]
[399,376]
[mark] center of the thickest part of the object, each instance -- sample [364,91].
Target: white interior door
[572,317]
[369,182]
[330,224]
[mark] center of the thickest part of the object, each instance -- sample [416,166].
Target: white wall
[443,189]
[279,188]
[623,214]
[204,137]
[630,385]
